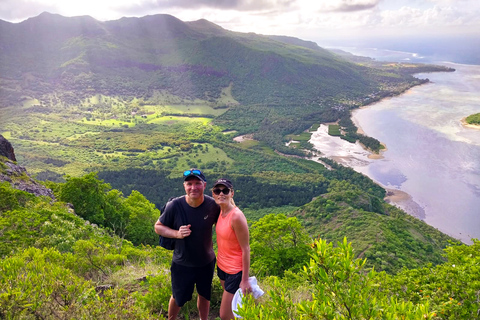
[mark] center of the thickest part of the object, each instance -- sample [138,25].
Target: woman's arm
[240,227]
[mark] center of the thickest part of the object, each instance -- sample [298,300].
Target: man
[190,219]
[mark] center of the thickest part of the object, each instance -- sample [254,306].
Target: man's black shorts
[185,278]
[232,281]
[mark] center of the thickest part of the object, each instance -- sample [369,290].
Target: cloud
[348,5]
[309,19]
[434,17]
[18,10]
[238,5]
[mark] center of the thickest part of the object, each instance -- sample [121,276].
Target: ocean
[430,155]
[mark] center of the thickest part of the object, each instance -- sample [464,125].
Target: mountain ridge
[72,50]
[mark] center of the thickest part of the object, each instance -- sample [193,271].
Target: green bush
[340,289]
[452,289]
[277,244]
[158,294]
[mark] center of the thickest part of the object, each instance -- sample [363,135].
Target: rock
[17,175]
[6,149]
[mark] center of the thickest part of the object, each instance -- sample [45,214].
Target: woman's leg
[226,312]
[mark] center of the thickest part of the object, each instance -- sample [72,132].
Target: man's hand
[184,232]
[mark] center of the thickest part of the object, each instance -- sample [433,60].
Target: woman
[233,258]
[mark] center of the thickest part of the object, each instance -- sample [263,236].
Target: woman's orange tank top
[229,257]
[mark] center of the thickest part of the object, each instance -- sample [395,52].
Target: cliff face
[17,175]
[6,149]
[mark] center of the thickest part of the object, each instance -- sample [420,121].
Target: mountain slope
[389,238]
[136,56]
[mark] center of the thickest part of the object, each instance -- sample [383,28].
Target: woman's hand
[245,286]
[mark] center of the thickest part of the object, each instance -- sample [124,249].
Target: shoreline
[395,197]
[468,125]
[404,201]
[379,155]
[419,204]
[353,158]
[372,155]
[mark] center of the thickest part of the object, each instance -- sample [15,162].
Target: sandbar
[405,202]
[468,125]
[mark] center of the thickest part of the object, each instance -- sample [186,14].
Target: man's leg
[173,309]
[203,306]
[183,283]
[204,289]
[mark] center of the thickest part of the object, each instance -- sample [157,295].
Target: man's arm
[168,232]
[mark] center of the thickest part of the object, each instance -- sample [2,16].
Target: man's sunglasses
[218,191]
[194,172]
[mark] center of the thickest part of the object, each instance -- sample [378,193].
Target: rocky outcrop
[17,175]
[6,149]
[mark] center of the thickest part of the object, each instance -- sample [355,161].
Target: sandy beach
[404,201]
[379,155]
[394,195]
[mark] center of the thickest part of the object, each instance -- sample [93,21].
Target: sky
[320,21]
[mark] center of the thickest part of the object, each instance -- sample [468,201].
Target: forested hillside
[55,264]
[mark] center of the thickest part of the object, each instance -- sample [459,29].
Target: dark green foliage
[11,199]
[278,244]
[343,173]
[352,136]
[387,237]
[155,185]
[451,289]
[269,189]
[93,200]
[87,194]
[473,119]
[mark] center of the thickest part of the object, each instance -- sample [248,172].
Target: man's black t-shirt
[196,250]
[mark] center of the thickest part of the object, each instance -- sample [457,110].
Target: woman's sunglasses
[217,191]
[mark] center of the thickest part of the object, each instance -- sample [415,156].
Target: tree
[116,212]
[142,217]
[278,243]
[88,196]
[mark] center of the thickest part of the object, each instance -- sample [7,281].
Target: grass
[315,127]
[304,136]
[334,130]
[6,134]
[132,273]
[249,143]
